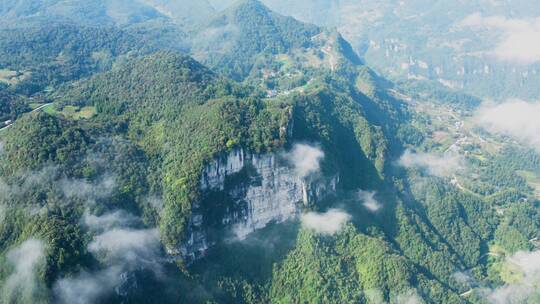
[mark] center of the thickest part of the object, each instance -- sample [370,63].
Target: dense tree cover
[11,105]
[168,100]
[350,268]
[162,117]
[183,115]
[55,53]
[54,174]
[439,94]
[234,40]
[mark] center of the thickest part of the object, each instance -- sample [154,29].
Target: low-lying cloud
[120,248]
[369,201]
[22,284]
[305,159]
[441,165]
[515,118]
[108,221]
[87,287]
[328,223]
[408,297]
[79,188]
[464,278]
[126,245]
[529,265]
[519,37]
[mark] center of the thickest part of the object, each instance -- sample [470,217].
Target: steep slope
[82,12]
[163,114]
[47,56]
[11,105]
[186,13]
[234,40]
[105,12]
[477,52]
[282,188]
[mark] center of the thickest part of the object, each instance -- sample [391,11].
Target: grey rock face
[250,192]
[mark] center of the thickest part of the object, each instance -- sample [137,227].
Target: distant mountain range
[180,151]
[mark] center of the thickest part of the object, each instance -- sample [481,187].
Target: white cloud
[327,223]
[442,165]
[407,297]
[156,202]
[529,265]
[126,245]
[79,188]
[108,221]
[305,159]
[87,287]
[120,249]
[205,41]
[22,283]
[369,201]
[410,297]
[514,118]
[464,278]
[519,41]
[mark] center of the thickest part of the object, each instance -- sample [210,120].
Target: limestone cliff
[243,192]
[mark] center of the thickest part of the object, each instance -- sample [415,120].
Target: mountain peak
[248,8]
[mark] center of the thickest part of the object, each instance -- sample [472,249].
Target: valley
[201,152]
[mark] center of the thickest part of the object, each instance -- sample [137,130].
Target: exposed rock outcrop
[243,192]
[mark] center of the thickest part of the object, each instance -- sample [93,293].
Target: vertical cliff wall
[243,192]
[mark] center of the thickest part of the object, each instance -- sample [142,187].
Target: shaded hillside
[270,172]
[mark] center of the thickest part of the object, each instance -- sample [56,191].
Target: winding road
[34,110]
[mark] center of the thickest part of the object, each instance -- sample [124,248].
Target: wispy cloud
[109,221]
[407,297]
[87,287]
[22,284]
[120,249]
[80,188]
[305,159]
[514,118]
[463,278]
[519,37]
[528,263]
[369,201]
[442,165]
[327,223]
[126,245]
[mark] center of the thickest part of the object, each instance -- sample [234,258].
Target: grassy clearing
[71,112]
[34,105]
[511,273]
[76,113]
[12,77]
[50,109]
[532,179]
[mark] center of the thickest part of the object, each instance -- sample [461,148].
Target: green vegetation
[11,105]
[237,39]
[128,127]
[52,54]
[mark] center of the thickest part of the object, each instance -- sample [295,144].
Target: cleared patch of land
[71,112]
[532,180]
[12,77]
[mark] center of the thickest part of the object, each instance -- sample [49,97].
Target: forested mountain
[105,12]
[245,158]
[485,48]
